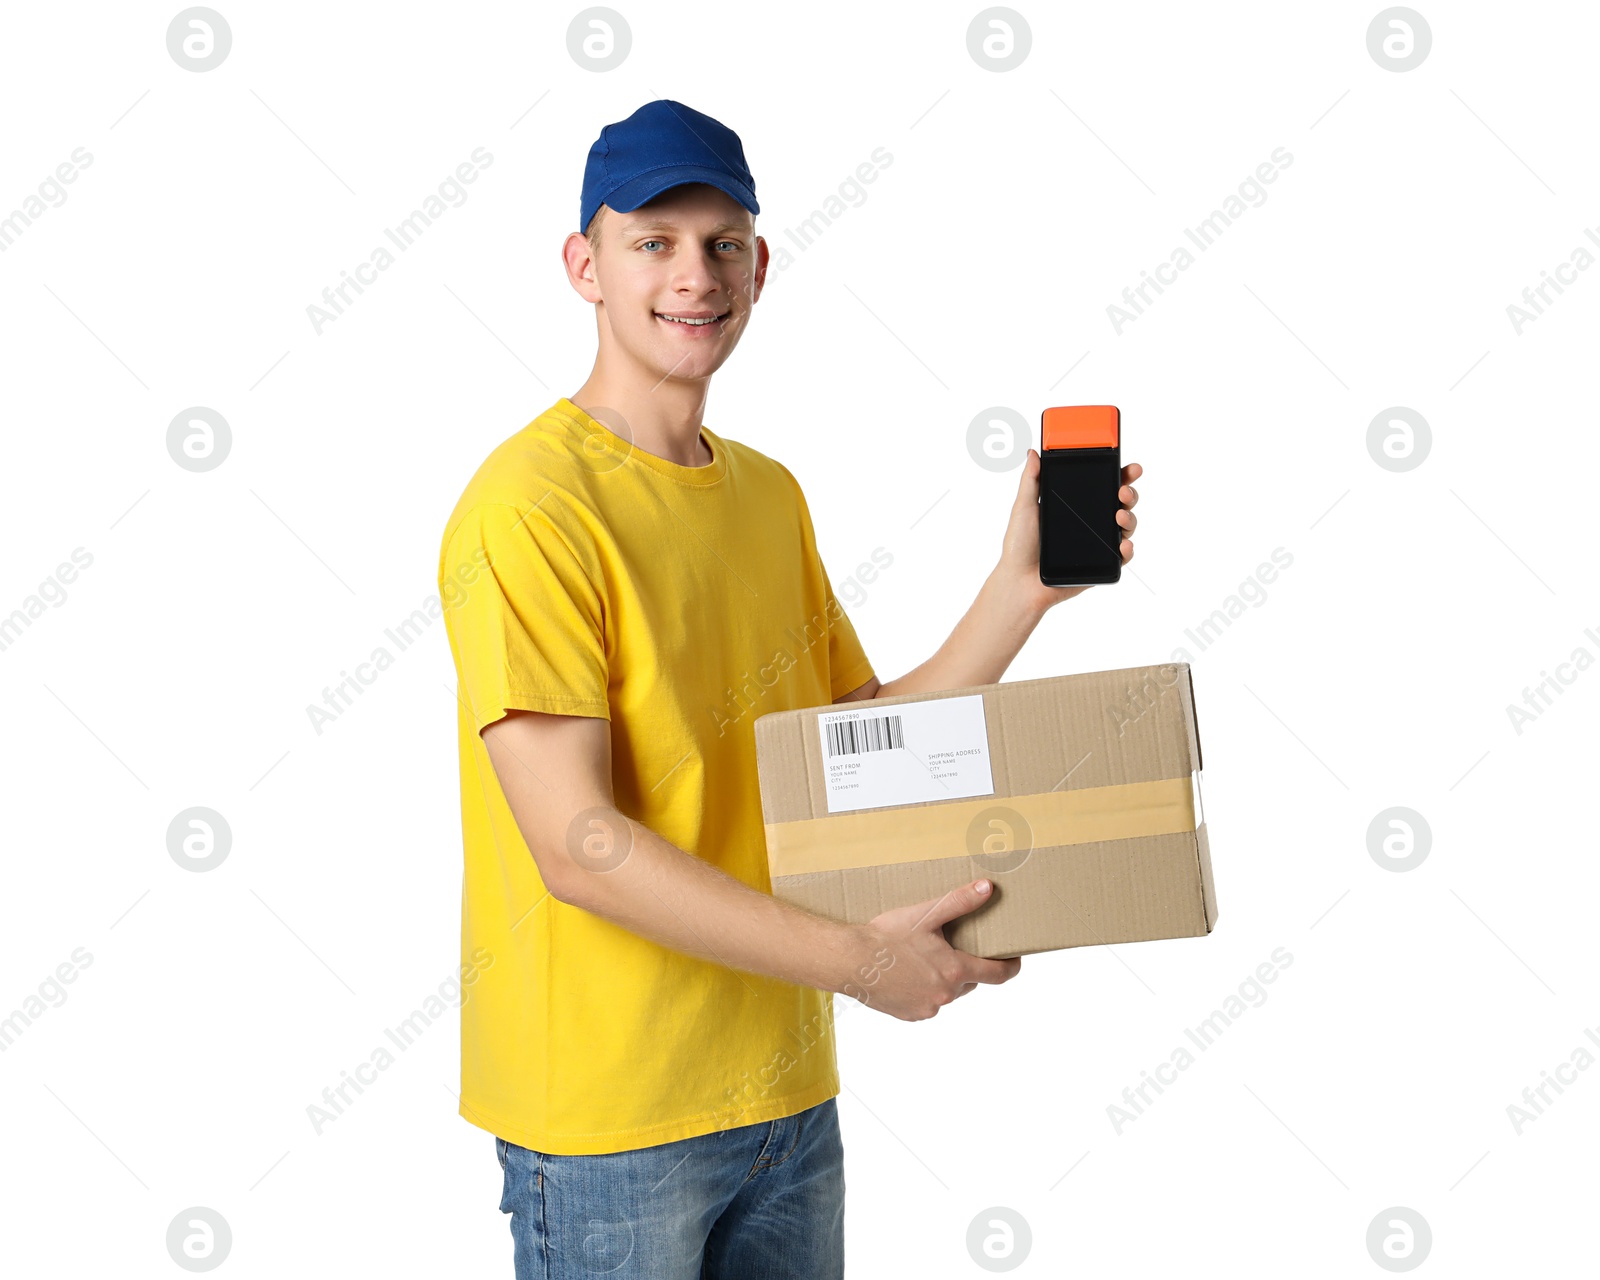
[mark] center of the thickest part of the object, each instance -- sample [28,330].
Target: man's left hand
[1019,556]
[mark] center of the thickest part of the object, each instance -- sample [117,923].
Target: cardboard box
[1077,795]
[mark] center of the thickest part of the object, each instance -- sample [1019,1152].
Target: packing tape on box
[880,837]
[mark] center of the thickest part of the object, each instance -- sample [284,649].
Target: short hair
[592,232]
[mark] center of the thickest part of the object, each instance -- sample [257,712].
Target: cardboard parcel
[1076,795]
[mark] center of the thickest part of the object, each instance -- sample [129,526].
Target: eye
[652,242]
[736,245]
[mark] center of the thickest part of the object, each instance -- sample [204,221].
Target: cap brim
[646,187]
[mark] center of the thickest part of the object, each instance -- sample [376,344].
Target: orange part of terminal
[1081,426]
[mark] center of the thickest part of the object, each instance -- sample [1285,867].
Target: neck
[662,417]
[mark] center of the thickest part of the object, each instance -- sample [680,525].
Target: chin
[696,370]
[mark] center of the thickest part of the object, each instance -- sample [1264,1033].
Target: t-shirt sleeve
[525,620]
[848,667]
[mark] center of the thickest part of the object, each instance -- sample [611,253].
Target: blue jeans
[756,1202]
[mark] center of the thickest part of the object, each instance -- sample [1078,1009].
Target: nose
[694,272]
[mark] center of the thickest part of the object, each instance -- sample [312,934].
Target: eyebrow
[633,228]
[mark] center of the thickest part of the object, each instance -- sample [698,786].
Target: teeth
[676,320]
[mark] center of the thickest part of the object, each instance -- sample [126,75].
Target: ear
[577,257]
[763,256]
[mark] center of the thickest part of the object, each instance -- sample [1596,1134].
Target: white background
[976,273]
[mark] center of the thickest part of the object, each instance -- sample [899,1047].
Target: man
[646,1031]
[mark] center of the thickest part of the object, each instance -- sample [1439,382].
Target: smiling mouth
[693,322]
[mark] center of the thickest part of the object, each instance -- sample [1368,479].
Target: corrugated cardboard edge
[1191,720]
[1202,841]
[1208,889]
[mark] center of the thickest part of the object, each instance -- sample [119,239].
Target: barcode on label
[852,737]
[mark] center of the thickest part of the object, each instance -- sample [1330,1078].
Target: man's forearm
[683,902]
[980,648]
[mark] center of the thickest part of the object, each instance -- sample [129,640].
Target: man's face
[690,253]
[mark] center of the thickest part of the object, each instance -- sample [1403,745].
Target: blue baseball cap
[663,144]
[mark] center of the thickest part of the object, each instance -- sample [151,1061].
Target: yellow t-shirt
[583,576]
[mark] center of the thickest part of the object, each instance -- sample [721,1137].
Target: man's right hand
[555,773]
[914,972]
